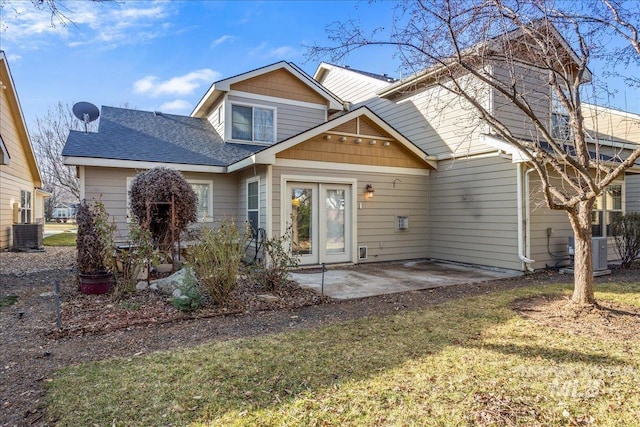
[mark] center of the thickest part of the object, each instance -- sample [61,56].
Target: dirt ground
[33,348]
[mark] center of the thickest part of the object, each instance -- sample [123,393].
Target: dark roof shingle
[125,134]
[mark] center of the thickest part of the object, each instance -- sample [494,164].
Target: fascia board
[135,164]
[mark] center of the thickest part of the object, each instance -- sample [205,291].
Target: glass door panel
[302,226]
[335,222]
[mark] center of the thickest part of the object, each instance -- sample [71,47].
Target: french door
[320,219]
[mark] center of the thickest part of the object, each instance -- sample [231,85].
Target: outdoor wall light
[368,191]
[357,141]
[327,137]
[372,142]
[386,143]
[343,138]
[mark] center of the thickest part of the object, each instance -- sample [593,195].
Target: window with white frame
[560,120]
[607,208]
[203,192]
[204,198]
[250,123]
[25,207]
[253,204]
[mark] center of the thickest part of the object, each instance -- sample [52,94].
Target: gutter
[524,237]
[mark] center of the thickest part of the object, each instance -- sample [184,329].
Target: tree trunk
[583,288]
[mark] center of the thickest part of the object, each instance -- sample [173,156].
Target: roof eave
[139,164]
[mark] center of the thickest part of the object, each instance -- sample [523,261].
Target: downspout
[522,238]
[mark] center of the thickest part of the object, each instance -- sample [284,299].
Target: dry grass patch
[467,362]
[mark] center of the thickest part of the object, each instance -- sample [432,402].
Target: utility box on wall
[402,222]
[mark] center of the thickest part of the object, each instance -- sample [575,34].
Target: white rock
[171,283]
[141,286]
[177,293]
[267,298]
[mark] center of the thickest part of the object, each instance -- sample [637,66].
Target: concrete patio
[365,280]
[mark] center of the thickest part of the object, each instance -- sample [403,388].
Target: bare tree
[459,45]
[48,135]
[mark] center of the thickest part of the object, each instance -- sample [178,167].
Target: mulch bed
[100,314]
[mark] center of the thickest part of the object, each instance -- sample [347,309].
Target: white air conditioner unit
[599,252]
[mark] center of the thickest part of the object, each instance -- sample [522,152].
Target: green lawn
[466,362]
[60,239]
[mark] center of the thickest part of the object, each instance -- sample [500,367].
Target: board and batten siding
[376,220]
[109,185]
[473,212]
[291,119]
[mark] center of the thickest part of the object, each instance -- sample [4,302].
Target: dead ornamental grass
[472,361]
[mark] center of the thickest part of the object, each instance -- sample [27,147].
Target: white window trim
[606,209]
[208,182]
[28,209]
[229,123]
[250,181]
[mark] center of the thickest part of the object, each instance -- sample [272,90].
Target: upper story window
[560,120]
[608,206]
[255,124]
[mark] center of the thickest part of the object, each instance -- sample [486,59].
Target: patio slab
[365,280]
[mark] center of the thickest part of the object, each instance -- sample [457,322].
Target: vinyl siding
[18,174]
[246,176]
[546,251]
[217,118]
[109,185]
[473,212]
[376,221]
[632,193]
[533,86]
[352,87]
[434,119]
[622,126]
[291,119]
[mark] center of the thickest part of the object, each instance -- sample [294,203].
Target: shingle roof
[383,77]
[125,134]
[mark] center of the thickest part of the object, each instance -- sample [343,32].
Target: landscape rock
[267,298]
[141,286]
[169,284]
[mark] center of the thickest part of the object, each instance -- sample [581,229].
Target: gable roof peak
[218,88]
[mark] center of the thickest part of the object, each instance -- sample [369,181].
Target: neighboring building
[21,199]
[63,212]
[352,161]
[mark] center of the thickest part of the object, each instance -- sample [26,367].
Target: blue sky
[163,55]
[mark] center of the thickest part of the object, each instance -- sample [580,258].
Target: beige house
[21,199]
[362,167]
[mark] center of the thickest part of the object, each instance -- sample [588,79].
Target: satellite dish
[85,112]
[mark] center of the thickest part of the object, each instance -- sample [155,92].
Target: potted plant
[95,248]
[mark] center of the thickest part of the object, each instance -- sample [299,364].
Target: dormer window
[252,123]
